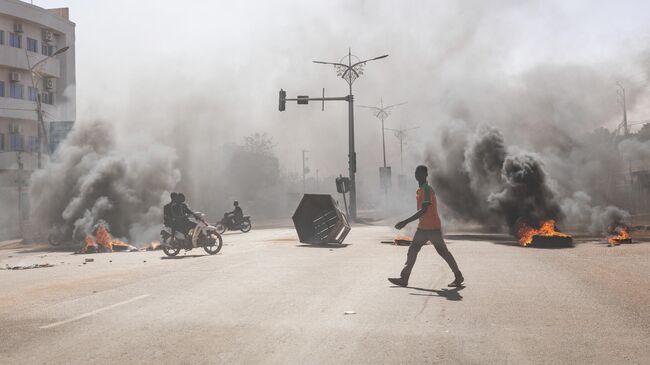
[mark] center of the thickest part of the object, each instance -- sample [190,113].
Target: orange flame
[102,241]
[623,235]
[402,239]
[547,228]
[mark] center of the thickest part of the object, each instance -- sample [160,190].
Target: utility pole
[348,72]
[382,112]
[20,182]
[305,171]
[317,183]
[623,102]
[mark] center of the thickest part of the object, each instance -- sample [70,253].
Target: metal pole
[20,194]
[401,155]
[304,185]
[383,139]
[352,156]
[624,112]
[39,138]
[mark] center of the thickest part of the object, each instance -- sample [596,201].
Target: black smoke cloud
[526,197]
[91,178]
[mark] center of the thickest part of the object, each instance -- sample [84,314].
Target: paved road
[268,300]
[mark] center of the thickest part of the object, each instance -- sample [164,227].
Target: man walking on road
[429,229]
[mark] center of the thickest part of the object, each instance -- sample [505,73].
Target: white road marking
[92,313]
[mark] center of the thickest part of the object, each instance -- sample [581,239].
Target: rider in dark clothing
[168,219]
[237,214]
[180,213]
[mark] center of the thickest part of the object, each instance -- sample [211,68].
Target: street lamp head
[61,50]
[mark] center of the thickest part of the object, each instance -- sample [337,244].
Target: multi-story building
[37,72]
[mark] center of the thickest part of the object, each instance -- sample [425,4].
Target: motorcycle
[227,224]
[203,235]
[58,235]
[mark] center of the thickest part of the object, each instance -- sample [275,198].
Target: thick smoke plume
[526,197]
[92,179]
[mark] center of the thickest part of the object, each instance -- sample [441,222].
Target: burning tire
[214,243]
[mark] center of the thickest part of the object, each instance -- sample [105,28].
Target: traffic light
[342,184]
[283,100]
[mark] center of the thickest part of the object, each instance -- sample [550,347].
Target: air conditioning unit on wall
[15,76]
[18,27]
[47,35]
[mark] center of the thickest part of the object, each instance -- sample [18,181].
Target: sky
[221,63]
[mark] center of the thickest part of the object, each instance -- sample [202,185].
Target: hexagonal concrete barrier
[319,220]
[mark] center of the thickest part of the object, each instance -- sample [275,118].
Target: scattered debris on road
[27,267]
[89,260]
[349,312]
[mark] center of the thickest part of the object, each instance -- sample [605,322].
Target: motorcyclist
[180,213]
[237,215]
[168,219]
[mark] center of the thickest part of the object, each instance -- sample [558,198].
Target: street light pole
[350,73]
[39,105]
[382,113]
[401,135]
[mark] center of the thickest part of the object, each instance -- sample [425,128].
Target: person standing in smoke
[429,229]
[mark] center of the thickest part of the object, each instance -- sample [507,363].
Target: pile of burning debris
[618,234]
[102,241]
[546,235]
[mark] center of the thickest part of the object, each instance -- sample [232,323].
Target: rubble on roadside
[26,267]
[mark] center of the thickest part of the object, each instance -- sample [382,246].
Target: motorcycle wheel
[54,239]
[214,243]
[221,228]
[170,251]
[246,226]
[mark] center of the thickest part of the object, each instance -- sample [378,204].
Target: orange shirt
[430,219]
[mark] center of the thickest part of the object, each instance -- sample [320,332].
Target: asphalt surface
[266,299]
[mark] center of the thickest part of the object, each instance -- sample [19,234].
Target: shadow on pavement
[335,245]
[182,257]
[449,294]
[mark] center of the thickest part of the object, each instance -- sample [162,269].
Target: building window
[32,93]
[14,40]
[2,142]
[2,37]
[2,88]
[16,142]
[32,45]
[32,144]
[47,50]
[16,90]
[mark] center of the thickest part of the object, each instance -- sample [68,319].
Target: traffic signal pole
[352,156]
[348,72]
